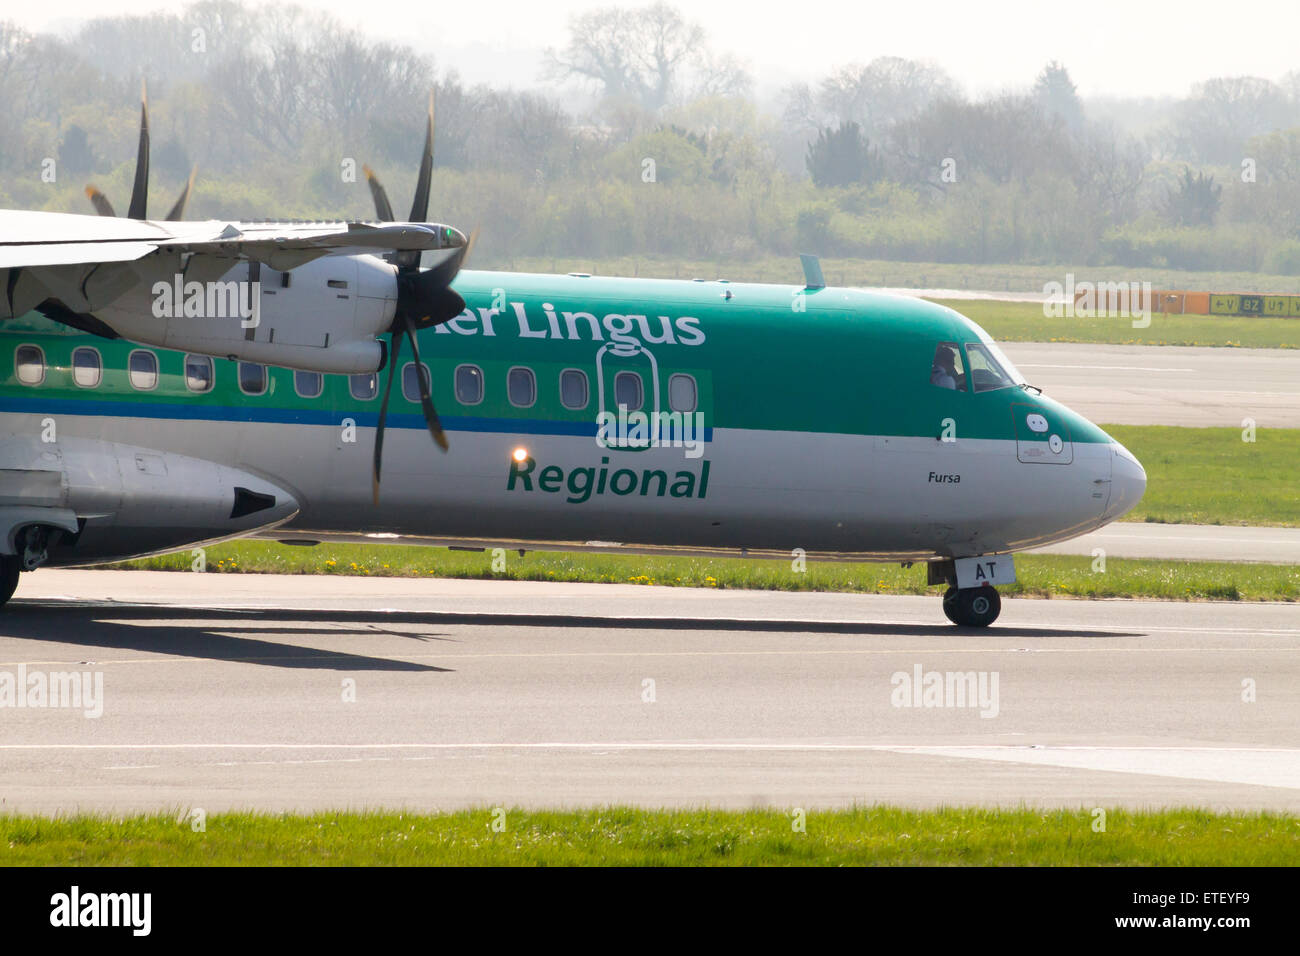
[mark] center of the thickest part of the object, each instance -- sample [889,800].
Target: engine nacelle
[324,315]
[90,500]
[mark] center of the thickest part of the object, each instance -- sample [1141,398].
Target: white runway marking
[1253,766]
[1260,768]
[1123,368]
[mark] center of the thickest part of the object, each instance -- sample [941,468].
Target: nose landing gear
[977,604]
[972,607]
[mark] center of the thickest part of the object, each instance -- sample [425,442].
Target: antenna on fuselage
[812,271]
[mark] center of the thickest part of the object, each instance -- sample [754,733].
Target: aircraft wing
[36,239]
[56,254]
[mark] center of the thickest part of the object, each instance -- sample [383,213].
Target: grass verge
[1042,576]
[631,837]
[1025,322]
[1211,476]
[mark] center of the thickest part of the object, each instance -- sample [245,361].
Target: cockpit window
[1000,357]
[946,371]
[985,372]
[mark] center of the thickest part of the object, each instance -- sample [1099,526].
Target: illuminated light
[520,454]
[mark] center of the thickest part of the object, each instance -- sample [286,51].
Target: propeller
[424,296]
[140,188]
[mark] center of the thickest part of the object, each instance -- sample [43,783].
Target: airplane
[583,412]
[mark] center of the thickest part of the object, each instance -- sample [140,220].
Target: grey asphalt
[228,691]
[1166,384]
[1192,542]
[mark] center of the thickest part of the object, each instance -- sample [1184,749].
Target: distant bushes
[1225,249]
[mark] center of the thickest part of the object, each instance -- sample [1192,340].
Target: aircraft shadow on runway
[86,627]
[48,617]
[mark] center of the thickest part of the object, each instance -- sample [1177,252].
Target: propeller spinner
[424,296]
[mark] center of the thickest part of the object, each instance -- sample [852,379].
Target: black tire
[8,577]
[950,605]
[972,607]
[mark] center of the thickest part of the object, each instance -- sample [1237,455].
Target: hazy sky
[1132,47]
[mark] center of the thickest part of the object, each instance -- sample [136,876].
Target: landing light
[520,454]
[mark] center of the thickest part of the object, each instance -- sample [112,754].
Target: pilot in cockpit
[944,372]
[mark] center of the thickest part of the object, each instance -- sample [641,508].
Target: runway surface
[1166,384]
[225,691]
[1191,542]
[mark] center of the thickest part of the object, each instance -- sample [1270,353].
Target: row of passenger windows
[200,376]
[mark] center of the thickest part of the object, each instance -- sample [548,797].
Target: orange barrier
[1173,302]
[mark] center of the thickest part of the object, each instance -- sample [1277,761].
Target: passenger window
[469,384]
[198,373]
[364,387]
[985,372]
[683,395]
[627,390]
[521,387]
[29,363]
[411,380]
[142,370]
[946,371]
[252,378]
[87,367]
[308,384]
[573,388]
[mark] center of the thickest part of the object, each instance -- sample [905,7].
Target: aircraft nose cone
[1128,482]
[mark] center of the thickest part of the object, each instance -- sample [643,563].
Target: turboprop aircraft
[580,412]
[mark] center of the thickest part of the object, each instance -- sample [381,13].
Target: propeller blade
[178,210]
[469,246]
[140,190]
[420,205]
[396,351]
[383,207]
[426,400]
[100,201]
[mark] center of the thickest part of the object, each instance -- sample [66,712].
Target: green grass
[1211,476]
[1025,322]
[618,836]
[1038,575]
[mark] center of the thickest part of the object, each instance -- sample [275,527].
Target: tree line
[641,137]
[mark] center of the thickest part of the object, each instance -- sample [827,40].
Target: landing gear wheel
[950,605]
[972,607]
[8,577]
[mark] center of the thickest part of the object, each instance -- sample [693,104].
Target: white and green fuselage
[789,418]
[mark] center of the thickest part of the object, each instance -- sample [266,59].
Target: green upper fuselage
[764,357]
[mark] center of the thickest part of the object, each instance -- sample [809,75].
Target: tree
[75,154]
[841,157]
[1003,138]
[1055,93]
[650,55]
[1110,170]
[1195,202]
[880,94]
[1212,126]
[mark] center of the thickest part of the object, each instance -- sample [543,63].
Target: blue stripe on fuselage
[291,416]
